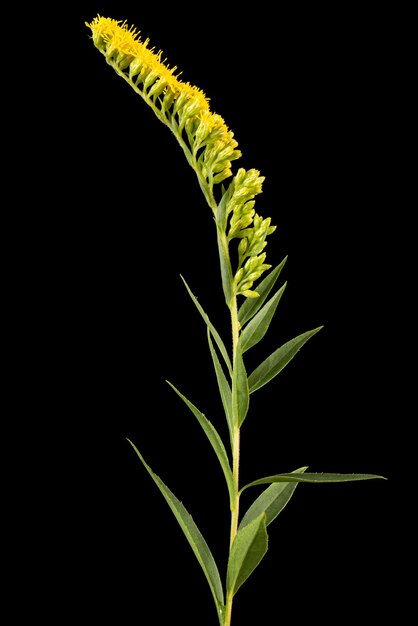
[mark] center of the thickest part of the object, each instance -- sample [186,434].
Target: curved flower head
[208,143]
[183,107]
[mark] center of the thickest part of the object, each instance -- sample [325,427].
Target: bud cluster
[250,228]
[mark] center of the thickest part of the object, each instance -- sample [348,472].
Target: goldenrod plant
[241,234]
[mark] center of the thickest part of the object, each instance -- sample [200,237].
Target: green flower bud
[98,40]
[180,102]
[222,175]
[123,60]
[243,245]
[245,285]
[135,67]
[110,51]
[249,294]
[150,79]
[239,275]
[157,88]
[167,100]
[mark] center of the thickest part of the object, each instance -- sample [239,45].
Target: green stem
[235,457]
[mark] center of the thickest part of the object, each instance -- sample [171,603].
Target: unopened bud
[222,175]
[157,88]
[135,67]
[248,293]
[243,245]
[167,100]
[150,79]
[123,60]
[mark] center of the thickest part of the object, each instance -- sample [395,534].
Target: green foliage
[223,386]
[212,329]
[258,326]
[193,536]
[271,502]
[320,477]
[214,438]
[278,360]
[249,547]
[240,391]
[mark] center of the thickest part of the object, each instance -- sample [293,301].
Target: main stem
[235,457]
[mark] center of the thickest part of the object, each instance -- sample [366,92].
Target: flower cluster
[208,143]
[183,107]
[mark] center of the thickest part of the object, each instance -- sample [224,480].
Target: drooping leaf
[223,385]
[214,438]
[249,547]
[240,391]
[274,364]
[193,536]
[250,306]
[258,326]
[213,330]
[272,501]
[311,478]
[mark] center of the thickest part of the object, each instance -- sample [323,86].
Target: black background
[313,97]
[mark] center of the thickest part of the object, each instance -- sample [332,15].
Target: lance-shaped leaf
[221,211]
[213,330]
[225,264]
[249,547]
[250,306]
[272,501]
[223,385]
[215,440]
[193,535]
[311,478]
[240,391]
[258,326]
[274,364]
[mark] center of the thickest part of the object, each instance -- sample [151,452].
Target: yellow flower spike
[182,106]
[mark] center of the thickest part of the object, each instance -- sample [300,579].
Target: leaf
[215,440]
[250,306]
[224,388]
[274,364]
[213,330]
[258,326]
[249,547]
[240,391]
[272,501]
[226,270]
[193,535]
[221,212]
[311,478]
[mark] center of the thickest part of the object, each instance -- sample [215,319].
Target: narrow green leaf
[193,535]
[240,391]
[250,306]
[213,330]
[258,326]
[223,385]
[221,212]
[274,364]
[249,547]
[311,478]
[272,501]
[226,270]
[215,441]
